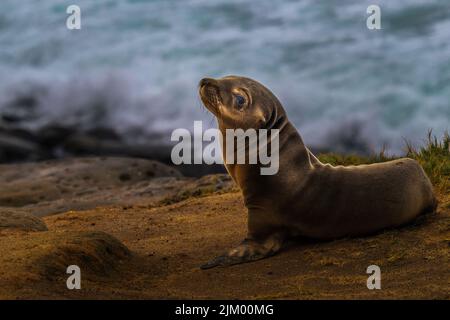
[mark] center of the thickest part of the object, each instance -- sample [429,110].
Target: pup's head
[240,102]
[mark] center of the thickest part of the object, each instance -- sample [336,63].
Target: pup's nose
[206,81]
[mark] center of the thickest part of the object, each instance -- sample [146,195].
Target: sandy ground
[150,249]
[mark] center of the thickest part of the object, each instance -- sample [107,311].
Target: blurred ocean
[135,65]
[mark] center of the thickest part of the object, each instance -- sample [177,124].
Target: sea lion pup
[306,197]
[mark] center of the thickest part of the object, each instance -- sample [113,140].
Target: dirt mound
[13,219]
[96,253]
[38,261]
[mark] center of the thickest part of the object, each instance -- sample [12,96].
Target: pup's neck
[291,150]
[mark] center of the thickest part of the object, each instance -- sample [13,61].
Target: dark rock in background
[53,135]
[54,141]
[86,144]
[13,147]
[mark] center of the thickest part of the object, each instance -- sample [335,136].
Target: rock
[103,133]
[55,186]
[84,144]
[54,141]
[10,118]
[15,148]
[80,183]
[23,101]
[53,134]
[18,132]
[20,108]
[200,187]
[19,220]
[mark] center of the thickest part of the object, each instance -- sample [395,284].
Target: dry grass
[435,159]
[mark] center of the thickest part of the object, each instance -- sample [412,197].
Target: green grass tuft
[434,157]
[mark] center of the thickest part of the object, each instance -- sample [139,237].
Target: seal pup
[306,197]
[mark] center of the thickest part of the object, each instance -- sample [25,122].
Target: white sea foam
[135,65]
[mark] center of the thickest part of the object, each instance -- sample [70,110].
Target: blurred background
[123,82]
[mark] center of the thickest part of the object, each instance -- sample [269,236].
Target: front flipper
[249,250]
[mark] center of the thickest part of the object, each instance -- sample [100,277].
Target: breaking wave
[134,65]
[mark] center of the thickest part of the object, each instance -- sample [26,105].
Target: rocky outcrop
[55,186]
[13,219]
[54,141]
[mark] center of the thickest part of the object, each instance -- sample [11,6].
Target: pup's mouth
[210,97]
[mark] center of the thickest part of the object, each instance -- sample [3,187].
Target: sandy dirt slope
[168,244]
[153,249]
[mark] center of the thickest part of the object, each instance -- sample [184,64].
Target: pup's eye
[240,100]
